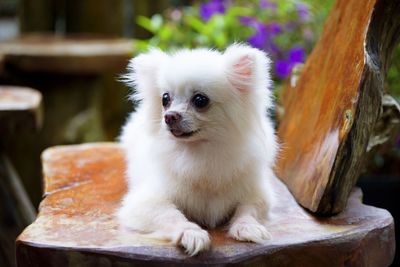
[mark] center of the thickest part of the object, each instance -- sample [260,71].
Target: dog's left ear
[247,68]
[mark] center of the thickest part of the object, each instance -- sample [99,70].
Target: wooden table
[77,226]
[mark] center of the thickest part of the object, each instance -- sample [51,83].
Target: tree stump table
[20,111]
[20,108]
[83,187]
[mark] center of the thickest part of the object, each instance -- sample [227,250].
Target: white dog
[200,148]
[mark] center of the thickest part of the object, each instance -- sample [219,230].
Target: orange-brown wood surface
[330,112]
[83,188]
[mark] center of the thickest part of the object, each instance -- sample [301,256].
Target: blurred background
[73,52]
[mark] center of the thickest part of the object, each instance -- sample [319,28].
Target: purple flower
[303,11]
[263,36]
[291,25]
[308,34]
[270,29]
[247,21]
[212,7]
[274,28]
[259,38]
[273,49]
[296,55]
[268,4]
[283,67]
[176,14]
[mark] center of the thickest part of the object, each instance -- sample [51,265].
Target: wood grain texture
[66,55]
[20,108]
[331,111]
[83,188]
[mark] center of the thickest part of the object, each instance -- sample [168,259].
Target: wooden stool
[329,116]
[77,77]
[77,72]
[19,111]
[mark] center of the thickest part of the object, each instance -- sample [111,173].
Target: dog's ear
[247,68]
[142,73]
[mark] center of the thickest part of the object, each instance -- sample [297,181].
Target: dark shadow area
[383,192]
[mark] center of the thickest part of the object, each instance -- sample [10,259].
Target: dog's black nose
[172,118]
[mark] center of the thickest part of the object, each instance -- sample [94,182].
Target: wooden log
[331,111]
[21,117]
[20,109]
[69,55]
[83,187]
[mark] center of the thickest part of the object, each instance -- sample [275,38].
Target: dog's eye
[200,101]
[166,99]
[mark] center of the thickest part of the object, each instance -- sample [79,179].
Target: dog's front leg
[161,220]
[246,224]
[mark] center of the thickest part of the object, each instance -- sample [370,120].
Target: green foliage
[187,29]
[275,26]
[184,27]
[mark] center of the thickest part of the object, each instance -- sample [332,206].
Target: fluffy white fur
[219,174]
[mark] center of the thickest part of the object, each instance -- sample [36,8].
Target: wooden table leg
[16,210]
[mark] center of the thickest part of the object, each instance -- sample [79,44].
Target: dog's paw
[253,232]
[195,241]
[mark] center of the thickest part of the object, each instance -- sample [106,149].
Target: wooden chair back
[330,112]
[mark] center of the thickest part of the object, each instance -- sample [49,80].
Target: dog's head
[200,94]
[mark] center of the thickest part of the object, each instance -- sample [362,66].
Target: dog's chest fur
[209,200]
[207,184]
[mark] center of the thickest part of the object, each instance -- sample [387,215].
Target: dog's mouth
[182,134]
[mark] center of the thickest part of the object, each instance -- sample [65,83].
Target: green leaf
[196,24]
[165,33]
[145,23]
[140,45]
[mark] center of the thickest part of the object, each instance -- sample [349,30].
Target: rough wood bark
[331,111]
[83,188]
